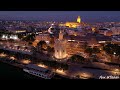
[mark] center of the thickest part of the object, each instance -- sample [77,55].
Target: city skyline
[86,16]
[55,50]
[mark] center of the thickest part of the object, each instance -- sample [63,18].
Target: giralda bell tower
[78,19]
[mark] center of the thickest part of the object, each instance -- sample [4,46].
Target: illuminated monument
[74,24]
[60,47]
[78,19]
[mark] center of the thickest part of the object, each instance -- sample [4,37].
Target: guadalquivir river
[9,72]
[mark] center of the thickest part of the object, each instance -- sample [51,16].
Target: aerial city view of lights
[60,44]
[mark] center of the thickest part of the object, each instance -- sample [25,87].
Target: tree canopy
[112,49]
[42,45]
[29,38]
[92,50]
[77,59]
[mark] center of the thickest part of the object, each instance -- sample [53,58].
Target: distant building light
[15,37]
[42,65]
[36,32]
[52,24]
[5,37]
[11,37]
[26,61]
[102,41]
[21,31]
[71,40]
[47,42]
[114,53]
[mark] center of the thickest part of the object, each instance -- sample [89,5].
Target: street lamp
[114,53]
[26,61]
[116,70]
[42,65]
[60,71]
[13,58]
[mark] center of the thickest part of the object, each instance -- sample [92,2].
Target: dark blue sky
[61,15]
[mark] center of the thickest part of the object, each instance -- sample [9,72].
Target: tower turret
[61,35]
[78,19]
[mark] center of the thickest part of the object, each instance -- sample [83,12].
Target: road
[94,73]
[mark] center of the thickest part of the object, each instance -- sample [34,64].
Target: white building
[116,39]
[115,30]
[5,36]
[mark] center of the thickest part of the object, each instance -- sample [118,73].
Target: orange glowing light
[13,58]
[26,61]
[78,19]
[42,65]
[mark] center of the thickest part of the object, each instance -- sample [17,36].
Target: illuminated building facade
[115,30]
[41,37]
[60,47]
[5,37]
[93,42]
[78,19]
[108,33]
[20,31]
[73,24]
[19,46]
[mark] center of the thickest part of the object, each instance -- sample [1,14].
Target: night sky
[87,16]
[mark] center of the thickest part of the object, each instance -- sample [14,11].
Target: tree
[33,49]
[113,49]
[96,50]
[42,45]
[51,44]
[89,50]
[85,45]
[29,38]
[77,59]
[30,43]
[92,50]
[50,50]
[20,36]
[64,66]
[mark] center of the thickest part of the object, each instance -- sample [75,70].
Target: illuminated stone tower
[60,35]
[78,19]
[60,47]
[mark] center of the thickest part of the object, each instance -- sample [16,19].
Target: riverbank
[13,72]
[10,72]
